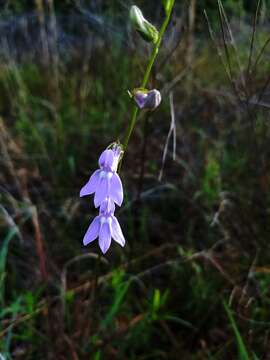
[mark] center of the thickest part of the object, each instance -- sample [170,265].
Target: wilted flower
[144,27]
[105,226]
[105,182]
[147,100]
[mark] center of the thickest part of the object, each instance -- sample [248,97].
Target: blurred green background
[193,279]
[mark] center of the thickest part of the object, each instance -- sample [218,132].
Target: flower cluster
[107,188]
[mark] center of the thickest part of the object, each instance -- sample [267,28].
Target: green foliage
[211,181]
[97,355]
[242,350]
[158,301]
[120,288]
[3,260]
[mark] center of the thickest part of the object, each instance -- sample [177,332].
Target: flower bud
[147,99]
[148,31]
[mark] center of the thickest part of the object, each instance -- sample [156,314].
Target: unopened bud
[142,26]
[147,99]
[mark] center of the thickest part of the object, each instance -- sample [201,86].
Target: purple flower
[105,226]
[147,100]
[105,182]
[107,187]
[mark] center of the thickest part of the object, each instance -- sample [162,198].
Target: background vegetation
[193,279]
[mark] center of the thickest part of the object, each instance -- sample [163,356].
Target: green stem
[147,73]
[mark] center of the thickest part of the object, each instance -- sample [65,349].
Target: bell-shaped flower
[105,182]
[105,227]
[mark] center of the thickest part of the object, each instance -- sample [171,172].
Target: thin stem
[131,126]
[253,36]
[260,54]
[143,155]
[147,74]
[95,289]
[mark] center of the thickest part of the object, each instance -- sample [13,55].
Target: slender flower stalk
[105,183]
[168,9]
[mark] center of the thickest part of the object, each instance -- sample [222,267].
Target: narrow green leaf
[243,353]
[156,300]
[121,292]
[3,256]
[255,357]
[178,320]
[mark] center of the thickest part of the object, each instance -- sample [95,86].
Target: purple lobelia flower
[107,187]
[105,226]
[105,182]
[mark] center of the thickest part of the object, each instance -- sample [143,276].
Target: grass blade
[243,353]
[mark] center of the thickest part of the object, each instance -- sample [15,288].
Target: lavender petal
[106,159]
[101,191]
[107,206]
[153,100]
[117,232]
[116,189]
[93,231]
[140,99]
[90,187]
[105,237]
